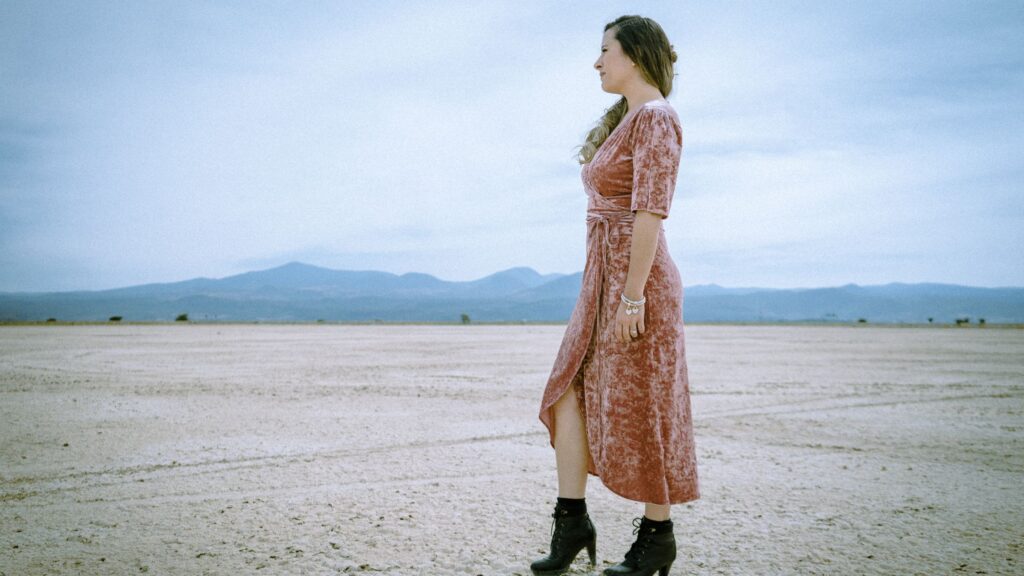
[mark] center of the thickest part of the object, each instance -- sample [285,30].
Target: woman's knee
[567,405]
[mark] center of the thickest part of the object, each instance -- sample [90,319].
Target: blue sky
[824,142]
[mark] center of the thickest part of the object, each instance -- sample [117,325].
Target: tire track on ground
[787,408]
[129,474]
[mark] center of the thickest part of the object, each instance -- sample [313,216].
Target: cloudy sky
[824,142]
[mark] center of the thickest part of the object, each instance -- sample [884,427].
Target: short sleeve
[657,146]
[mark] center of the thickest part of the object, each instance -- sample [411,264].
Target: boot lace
[643,541]
[557,530]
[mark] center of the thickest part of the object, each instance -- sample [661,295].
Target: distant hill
[301,292]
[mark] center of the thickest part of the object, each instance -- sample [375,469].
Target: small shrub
[115,318]
[862,321]
[465,318]
[51,320]
[181,318]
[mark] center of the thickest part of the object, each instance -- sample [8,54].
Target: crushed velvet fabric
[634,398]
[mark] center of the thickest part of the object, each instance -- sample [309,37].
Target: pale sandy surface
[263,449]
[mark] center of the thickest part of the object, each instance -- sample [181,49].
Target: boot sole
[591,549]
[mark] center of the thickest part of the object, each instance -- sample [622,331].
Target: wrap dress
[634,397]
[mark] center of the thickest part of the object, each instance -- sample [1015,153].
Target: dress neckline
[621,123]
[638,108]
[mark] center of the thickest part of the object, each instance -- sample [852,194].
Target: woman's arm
[657,145]
[646,228]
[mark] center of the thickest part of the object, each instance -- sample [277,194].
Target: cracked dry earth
[327,449]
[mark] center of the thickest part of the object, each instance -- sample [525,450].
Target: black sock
[659,526]
[571,506]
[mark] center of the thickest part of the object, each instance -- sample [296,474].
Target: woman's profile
[617,402]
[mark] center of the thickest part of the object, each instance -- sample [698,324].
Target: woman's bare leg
[570,447]
[657,512]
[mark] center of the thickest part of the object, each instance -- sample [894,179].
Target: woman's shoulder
[657,108]
[662,104]
[654,116]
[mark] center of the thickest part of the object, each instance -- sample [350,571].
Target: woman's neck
[639,94]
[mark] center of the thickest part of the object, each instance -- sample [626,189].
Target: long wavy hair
[645,43]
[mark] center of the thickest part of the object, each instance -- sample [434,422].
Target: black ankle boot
[569,535]
[649,554]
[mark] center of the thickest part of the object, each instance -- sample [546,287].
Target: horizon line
[560,274]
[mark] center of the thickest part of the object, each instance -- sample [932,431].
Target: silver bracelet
[632,306]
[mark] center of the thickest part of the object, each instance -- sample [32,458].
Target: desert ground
[406,450]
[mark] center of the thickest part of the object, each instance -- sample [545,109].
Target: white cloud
[199,139]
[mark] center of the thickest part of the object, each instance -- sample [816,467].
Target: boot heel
[592,552]
[664,569]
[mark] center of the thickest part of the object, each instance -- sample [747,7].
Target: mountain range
[298,292]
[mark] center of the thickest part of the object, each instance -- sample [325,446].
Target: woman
[617,402]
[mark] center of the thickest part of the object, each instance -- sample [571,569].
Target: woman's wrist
[637,301]
[632,306]
[633,293]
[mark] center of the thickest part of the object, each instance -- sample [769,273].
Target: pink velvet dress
[634,397]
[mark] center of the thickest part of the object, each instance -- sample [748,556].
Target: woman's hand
[629,327]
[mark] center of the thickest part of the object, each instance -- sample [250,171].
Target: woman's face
[615,67]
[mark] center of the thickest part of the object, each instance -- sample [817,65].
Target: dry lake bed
[406,450]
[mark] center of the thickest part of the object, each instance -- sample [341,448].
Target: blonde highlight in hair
[645,43]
